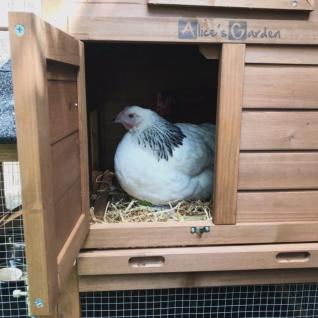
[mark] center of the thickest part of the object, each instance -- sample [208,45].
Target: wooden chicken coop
[251,68]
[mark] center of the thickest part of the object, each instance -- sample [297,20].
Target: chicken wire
[12,251]
[288,300]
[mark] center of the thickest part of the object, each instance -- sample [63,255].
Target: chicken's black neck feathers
[162,138]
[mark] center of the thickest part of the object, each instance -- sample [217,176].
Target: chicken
[161,162]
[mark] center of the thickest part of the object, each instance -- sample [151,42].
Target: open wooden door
[49,90]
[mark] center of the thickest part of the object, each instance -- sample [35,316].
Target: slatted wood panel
[282,170]
[281,86]
[63,110]
[279,158]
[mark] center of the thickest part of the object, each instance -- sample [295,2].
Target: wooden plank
[63,106]
[302,5]
[259,171]
[66,165]
[60,46]
[68,209]
[267,130]
[198,259]
[281,87]
[69,301]
[61,72]
[270,54]
[35,160]
[230,98]
[199,279]
[83,139]
[293,206]
[202,30]
[103,236]
[8,152]
[67,256]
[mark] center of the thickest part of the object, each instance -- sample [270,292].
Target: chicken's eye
[131,115]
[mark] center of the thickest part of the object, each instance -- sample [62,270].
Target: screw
[295,3]
[39,303]
[19,29]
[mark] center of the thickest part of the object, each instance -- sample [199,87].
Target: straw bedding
[110,204]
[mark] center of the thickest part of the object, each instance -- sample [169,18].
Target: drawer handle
[293,257]
[147,261]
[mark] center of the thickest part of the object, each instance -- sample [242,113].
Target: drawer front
[217,258]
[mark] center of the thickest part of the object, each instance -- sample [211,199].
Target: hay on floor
[110,204]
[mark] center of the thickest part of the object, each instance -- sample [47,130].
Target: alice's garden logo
[192,29]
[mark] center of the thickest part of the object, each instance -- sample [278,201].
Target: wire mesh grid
[12,255]
[288,300]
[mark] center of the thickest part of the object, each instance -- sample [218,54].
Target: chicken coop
[250,69]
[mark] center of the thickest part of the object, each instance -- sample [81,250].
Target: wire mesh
[12,248]
[288,300]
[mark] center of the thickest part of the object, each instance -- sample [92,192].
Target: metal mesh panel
[12,256]
[288,300]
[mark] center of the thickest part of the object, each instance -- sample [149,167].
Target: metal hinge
[200,230]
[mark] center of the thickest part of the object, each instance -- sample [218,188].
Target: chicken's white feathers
[162,162]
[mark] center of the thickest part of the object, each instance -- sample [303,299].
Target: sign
[232,30]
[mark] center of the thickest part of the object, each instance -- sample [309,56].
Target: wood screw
[39,303]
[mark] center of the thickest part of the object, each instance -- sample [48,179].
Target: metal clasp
[200,230]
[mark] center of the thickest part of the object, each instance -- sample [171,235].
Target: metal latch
[200,230]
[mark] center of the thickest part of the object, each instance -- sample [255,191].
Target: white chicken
[161,162]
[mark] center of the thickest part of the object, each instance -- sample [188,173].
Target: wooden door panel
[66,165]
[52,149]
[68,210]
[63,107]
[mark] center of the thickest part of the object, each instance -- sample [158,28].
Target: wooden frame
[50,257]
[195,279]
[302,5]
[198,259]
[194,30]
[106,236]
[229,113]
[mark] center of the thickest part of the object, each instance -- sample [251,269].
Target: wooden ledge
[188,280]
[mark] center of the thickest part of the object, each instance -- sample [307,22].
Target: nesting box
[256,79]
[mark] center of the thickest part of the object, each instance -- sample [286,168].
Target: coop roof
[7,115]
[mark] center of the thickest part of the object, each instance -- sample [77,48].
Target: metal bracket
[200,230]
